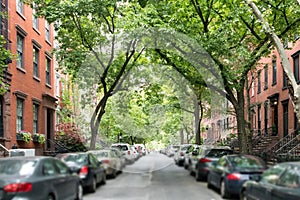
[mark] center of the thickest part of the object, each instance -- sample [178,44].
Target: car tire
[93,186]
[198,177]
[223,191]
[79,192]
[243,195]
[103,182]
[50,197]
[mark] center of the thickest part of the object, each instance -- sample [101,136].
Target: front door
[285,119]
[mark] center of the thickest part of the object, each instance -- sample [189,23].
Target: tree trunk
[196,120]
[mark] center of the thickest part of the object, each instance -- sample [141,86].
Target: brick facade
[31,87]
[272,108]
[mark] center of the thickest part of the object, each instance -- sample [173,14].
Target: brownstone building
[30,103]
[272,109]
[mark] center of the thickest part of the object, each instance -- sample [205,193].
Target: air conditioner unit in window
[21,152]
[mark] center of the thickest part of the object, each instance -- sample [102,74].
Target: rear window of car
[247,163]
[102,154]
[17,167]
[218,153]
[121,147]
[77,158]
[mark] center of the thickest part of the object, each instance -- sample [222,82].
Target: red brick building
[30,103]
[272,110]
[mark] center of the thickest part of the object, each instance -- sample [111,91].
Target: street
[154,177]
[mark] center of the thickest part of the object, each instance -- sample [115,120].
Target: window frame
[48,70]
[36,61]
[20,50]
[274,72]
[20,114]
[35,118]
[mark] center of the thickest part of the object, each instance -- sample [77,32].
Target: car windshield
[17,167]
[121,147]
[77,158]
[244,163]
[218,153]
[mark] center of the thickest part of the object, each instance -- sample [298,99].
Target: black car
[38,177]
[204,157]
[282,181]
[86,165]
[232,171]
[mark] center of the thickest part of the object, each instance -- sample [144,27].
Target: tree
[232,37]
[87,34]
[294,88]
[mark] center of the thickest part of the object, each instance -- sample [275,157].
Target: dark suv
[87,166]
[204,157]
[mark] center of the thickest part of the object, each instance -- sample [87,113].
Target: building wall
[275,94]
[24,84]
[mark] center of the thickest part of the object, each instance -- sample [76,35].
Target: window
[296,67]
[259,118]
[285,118]
[289,179]
[48,71]
[20,114]
[266,77]
[20,51]
[285,81]
[47,29]
[20,6]
[274,81]
[35,19]
[57,82]
[35,118]
[36,62]
[258,82]
[252,88]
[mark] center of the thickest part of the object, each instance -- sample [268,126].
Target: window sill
[21,69]
[36,30]
[48,42]
[284,88]
[21,15]
[48,86]
[37,78]
[273,84]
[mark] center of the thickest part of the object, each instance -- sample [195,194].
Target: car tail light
[204,160]
[128,152]
[105,161]
[233,176]
[83,172]
[18,187]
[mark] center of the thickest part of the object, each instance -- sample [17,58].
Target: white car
[127,151]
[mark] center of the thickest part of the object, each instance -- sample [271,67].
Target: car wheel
[104,179]
[93,186]
[223,190]
[79,192]
[243,195]
[114,173]
[50,197]
[197,175]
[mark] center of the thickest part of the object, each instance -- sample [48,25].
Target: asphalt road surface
[154,177]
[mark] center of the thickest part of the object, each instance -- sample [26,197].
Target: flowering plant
[40,138]
[24,135]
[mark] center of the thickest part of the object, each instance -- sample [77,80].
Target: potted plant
[24,136]
[40,138]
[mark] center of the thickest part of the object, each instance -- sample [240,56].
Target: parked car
[179,155]
[127,151]
[172,149]
[204,157]
[38,177]
[231,171]
[121,156]
[141,149]
[188,155]
[86,165]
[111,162]
[282,181]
